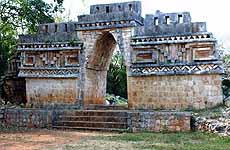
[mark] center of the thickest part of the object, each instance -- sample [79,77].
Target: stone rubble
[219,125]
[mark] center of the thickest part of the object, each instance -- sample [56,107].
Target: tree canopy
[116,77]
[22,16]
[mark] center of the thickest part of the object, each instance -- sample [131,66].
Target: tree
[116,77]
[19,17]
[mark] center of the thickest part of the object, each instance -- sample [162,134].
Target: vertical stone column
[124,42]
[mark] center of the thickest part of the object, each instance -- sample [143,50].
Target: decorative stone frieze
[57,46]
[140,70]
[49,73]
[189,38]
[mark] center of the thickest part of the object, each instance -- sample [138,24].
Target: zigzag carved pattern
[49,72]
[186,69]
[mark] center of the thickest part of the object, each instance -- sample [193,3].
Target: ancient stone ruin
[172,62]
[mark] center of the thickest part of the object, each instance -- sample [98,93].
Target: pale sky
[214,12]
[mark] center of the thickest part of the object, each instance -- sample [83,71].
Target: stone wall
[137,121]
[159,121]
[174,91]
[43,91]
[31,118]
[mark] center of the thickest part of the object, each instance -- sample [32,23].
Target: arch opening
[116,89]
[96,69]
[103,51]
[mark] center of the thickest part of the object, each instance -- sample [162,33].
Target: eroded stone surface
[174,92]
[42,91]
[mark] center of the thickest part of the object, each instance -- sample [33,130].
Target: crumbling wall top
[161,24]
[168,18]
[57,27]
[116,7]
[52,32]
[111,15]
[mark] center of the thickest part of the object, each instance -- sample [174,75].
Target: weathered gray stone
[159,121]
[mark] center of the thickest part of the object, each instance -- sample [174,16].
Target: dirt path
[41,139]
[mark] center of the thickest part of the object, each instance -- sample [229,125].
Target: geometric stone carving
[171,39]
[104,25]
[71,60]
[202,53]
[48,46]
[45,72]
[138,70]
[146,57]
[171,55]
[60,59]
[29,60]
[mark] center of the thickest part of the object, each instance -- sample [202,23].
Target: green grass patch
[172,141]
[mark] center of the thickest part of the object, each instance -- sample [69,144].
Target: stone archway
[99,46]
[96,68]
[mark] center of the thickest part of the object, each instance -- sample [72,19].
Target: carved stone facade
[51,71]
[172,63]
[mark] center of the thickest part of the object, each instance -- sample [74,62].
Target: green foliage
[226,87]
[22,16]
[116,99]
[26,14]
[116,77]
[226,80]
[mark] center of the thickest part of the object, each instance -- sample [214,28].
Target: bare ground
[41,139]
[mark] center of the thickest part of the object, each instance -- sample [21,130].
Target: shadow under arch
[103,51]
[96,69]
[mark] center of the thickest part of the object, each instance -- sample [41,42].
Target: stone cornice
[151,40]
[49,46]
[107,24]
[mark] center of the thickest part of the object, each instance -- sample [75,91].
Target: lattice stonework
[41,61]
[170,55]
